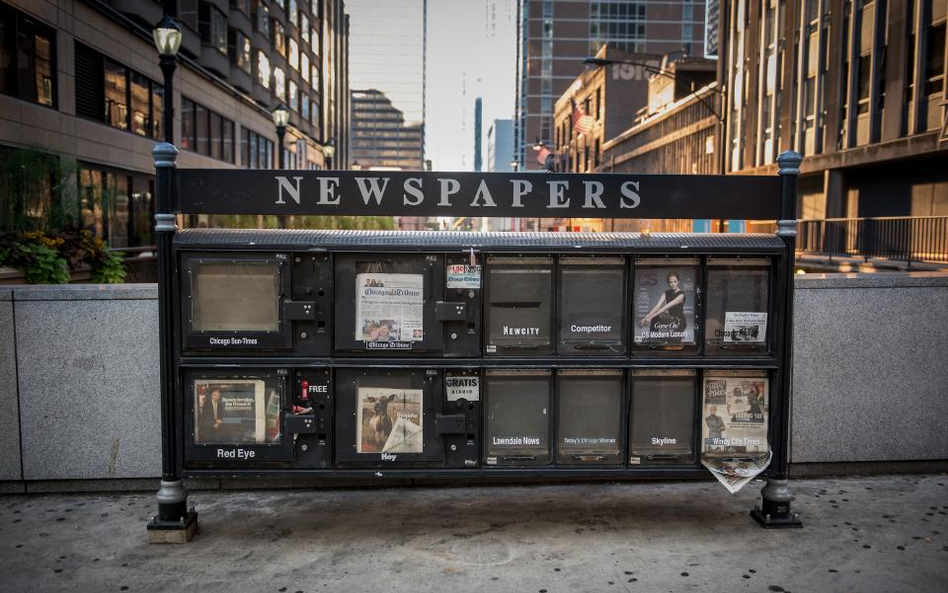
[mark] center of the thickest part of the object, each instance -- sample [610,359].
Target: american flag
[542,154]
[582,123]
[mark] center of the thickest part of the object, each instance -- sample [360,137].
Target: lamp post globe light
[167,36]
[281,117]
[174,521]
[329,150]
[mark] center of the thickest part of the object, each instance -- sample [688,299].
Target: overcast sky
[467,58]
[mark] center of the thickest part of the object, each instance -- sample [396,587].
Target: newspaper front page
[734,426]
[389,310]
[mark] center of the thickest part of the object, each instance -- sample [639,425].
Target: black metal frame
[204,191]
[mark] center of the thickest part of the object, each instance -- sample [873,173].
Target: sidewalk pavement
[861,534]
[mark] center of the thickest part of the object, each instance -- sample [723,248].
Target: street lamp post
[329,150]
[281,117]
[174,521]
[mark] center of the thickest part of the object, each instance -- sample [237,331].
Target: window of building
[262,20]
[212,25]
[157,110]
[864,63]
[206,132]
[140,93]
[240,53]
[935,60]
[304,106]
[241,5]
[279,37]
[304,28]
[279,83]
[117,206]
[109,92]
[27,58]
[314,41]
[293,11]
[187,124]
[201,129]
[256,152]
[314,82]
[314,115]
[116,90]
[304,67]
[294,96]
[294,54]
[263,69]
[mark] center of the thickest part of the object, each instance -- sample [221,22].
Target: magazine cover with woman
[665,304]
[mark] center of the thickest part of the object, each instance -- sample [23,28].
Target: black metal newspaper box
[423,354]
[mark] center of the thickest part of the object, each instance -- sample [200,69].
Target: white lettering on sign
[327,191]
[630,195]
[412,187]
[449,187]
[319,388]
[374,192]
[558,197]
[590,329]
[236,454]
[283,184]
[521,331]
[521,187]
[235,341]
[594,191]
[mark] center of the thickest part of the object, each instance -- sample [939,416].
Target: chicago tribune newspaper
[389,309]
[665,304]
[734,426]
[389,420]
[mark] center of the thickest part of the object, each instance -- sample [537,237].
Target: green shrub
[48,258]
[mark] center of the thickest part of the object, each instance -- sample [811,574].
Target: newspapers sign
[429,193]
[734,424]
[389,310]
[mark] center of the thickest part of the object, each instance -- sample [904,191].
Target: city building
[553,39]
[858,88]
[500,145]
[609,98]
[678,132]
[478,114]
[380,138]
[387,49]
[81,80]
